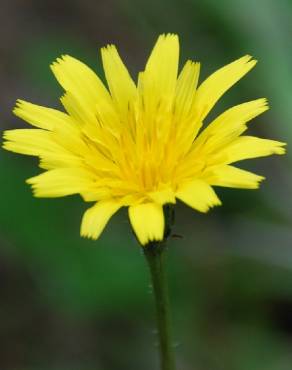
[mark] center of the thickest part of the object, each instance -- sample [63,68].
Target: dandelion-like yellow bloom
[140,146]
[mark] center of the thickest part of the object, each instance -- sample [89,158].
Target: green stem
[155,256]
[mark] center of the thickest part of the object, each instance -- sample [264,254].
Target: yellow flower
[140,146]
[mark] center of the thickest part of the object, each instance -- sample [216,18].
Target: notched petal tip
[248,59]
[282,144]
[167,40]
[60,60]
[192,63]
[6,144]
[257,183]
[108,48]
[95,218]
[148,222]
[6,134]
[245,64]
[168,35]
[19,102]
[280,148]
[234,177]
[84,233]
[19,106]
[63,62]
[36,192]
[32,182]
[263,103]
[199,195]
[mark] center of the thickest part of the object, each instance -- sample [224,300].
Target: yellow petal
[232,177]
[30,142]
[62,146]
[246,147]
[50,161]
[217,84]
[95,218]
[230,124]
[121,85]
[61,182]
[160,75]
[198,195]
[183,123]
[39,116]
[147,220]
[185,89]
[81,82]
[65,132]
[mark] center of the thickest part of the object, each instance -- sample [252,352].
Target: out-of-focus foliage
[68,303]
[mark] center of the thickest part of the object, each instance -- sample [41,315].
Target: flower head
[140,146]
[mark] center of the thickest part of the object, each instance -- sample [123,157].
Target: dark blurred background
[73,304]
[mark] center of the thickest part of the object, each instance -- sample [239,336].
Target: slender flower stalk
[155,254]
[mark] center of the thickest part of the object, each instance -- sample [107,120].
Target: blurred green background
[73,304]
